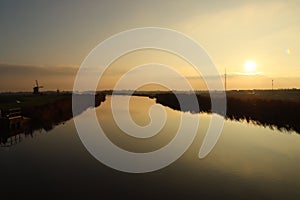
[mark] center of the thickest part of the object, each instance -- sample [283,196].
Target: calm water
[248,162]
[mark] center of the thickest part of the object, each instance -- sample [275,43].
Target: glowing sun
[250,66]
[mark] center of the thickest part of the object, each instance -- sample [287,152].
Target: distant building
[36,88]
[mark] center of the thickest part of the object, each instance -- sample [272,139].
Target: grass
[13,100]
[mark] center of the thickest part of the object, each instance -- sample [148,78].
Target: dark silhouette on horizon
[273,109]
[268,112]
[43,117]
[36,88]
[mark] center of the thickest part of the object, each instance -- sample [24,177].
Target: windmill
[36,88]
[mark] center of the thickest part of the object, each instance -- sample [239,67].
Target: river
[248,162]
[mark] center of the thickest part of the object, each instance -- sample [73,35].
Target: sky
[49,40]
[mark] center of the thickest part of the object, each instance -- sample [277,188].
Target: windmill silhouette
[36,88]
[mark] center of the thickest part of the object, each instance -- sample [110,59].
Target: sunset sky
[256,41]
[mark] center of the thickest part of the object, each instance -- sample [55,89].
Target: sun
[250,66]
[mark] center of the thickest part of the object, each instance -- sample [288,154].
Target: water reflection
[44,117]
[272,114]
[283,115]
[248,162]
[12,130]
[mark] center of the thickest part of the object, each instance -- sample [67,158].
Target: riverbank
[279,109]
[45,110]
[273,108]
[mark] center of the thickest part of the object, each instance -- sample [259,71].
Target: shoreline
[36,115]
[272,108]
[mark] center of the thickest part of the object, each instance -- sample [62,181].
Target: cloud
[248,73]
[258,80]
[16,77]
[19,77]
[42,70]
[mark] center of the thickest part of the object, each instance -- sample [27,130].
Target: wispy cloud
[12,69]
[248,73]
[21,77]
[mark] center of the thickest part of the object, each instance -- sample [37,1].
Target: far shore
[273,108]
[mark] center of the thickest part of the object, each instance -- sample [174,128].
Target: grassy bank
[280,109]
[47,110]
